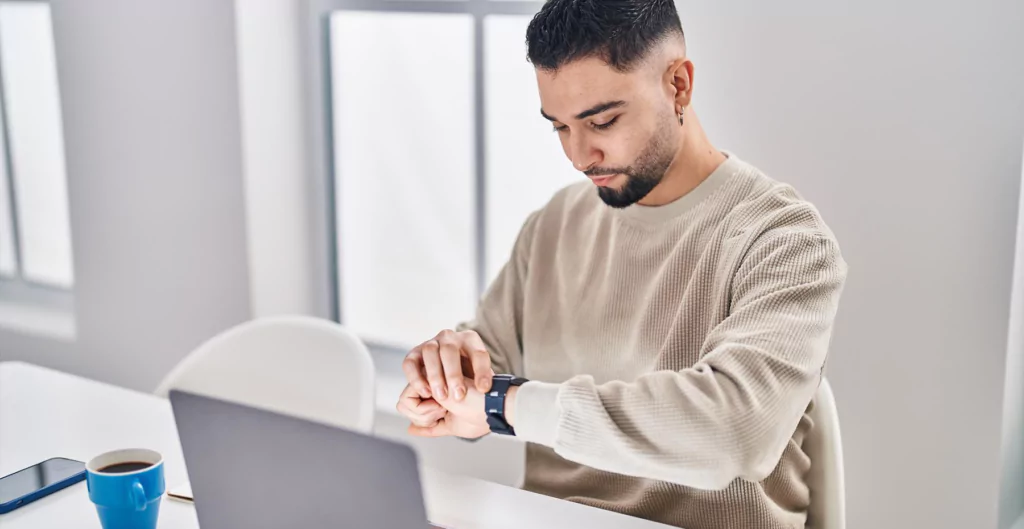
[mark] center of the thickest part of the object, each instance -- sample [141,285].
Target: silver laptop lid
[257,469]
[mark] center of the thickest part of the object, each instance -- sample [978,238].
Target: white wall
[1011,500]
[151,126]
[904,126]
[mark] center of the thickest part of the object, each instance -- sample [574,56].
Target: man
[672,326]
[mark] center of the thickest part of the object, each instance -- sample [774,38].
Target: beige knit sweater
[674,350]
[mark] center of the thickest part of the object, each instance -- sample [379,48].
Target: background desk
[45,413]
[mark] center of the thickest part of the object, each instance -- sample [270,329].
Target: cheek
[619,149]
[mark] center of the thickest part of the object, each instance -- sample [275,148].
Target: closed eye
[605,126]
[596,126]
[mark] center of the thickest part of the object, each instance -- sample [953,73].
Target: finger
[407,401]
[410,398]
[442,428]
[422,422]
[474,347]
[431,418]
[406,412]
[451,361]
[435,373]
[427,406]
[420,413]
[413,368]
[428,420]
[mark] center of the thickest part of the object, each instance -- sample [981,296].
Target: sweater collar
[685,203]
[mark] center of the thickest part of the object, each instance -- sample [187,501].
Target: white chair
[295,365]
[825,448]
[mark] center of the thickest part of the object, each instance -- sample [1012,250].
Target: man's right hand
[437,367]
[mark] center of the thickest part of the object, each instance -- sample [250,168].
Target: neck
[696,160]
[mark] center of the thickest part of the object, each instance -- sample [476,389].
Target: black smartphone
[37,481]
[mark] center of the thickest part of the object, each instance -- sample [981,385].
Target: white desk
[46,413]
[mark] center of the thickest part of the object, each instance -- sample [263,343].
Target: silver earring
[681,121]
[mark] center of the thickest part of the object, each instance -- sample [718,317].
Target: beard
[643,175]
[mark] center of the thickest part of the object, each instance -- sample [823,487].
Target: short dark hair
[620,32]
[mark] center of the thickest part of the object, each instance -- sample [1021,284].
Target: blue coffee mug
[126,486]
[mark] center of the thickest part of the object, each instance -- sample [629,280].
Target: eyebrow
[592,111]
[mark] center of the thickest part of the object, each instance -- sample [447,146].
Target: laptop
[258,469]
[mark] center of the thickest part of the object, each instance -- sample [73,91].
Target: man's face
[620,129]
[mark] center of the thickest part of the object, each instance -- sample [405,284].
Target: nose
[583,154]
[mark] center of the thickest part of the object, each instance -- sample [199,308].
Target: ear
[680,82]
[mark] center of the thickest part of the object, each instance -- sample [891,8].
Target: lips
[602,181]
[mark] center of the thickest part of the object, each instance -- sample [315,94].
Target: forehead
[583,83]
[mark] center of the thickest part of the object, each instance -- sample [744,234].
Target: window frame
[18,289]
[321,114]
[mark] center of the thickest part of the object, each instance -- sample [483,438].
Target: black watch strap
[494,403]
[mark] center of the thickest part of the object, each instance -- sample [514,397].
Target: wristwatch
[494,403]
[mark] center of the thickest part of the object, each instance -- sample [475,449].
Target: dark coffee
[124,468]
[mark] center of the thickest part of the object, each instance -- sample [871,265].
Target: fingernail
[460,393]
[440,392]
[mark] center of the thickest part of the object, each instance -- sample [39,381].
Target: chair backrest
[824,447]
[295,365]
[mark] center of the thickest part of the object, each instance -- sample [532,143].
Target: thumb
[441,429]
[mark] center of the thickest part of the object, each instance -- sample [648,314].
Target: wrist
[499,403]
[510,405]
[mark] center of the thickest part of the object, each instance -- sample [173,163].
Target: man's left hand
[466,418]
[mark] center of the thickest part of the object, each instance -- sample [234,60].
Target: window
[35,233]
[437,155]
[36,274]
[404,171]
[525,162]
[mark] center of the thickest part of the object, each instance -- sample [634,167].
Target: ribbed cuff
[537,412]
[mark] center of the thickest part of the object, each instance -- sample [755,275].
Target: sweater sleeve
[730,415]
[499,315]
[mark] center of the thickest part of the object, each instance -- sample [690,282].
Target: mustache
[598,171]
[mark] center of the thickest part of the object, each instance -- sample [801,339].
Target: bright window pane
[36,141]
[403,130]
[525,162]
[8,261]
